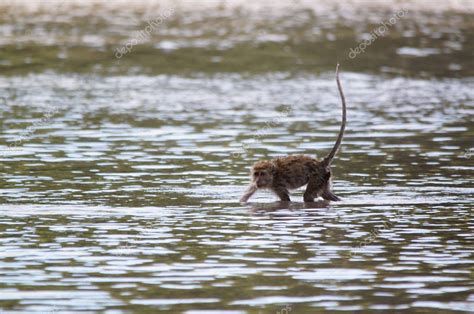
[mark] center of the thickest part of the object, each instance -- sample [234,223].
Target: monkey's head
[262,174]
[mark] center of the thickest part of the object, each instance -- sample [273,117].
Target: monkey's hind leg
[314,187]
[330,196]
[327,194]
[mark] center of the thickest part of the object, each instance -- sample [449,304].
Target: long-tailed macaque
[283,174]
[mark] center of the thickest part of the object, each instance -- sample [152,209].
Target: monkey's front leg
[283,194]
[248,194]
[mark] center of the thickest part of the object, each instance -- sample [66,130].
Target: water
[120,177]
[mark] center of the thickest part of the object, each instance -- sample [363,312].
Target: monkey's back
[295,170]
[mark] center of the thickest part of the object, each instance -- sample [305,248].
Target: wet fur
[283,174]
[295,171]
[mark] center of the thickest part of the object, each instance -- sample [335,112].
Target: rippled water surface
[120,177]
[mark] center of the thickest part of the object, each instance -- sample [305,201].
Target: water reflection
[290,206]
[152,257]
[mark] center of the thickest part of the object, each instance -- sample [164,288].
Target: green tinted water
[120,176]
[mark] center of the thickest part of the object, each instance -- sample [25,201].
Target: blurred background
[434,38]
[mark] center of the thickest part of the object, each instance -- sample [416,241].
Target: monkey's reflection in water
[262,208]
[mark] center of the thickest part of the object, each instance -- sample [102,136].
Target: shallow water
[120,180]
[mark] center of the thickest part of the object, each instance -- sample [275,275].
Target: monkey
[283,174]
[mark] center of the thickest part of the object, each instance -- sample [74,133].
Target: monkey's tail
[328,159]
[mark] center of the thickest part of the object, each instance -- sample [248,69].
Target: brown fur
[287,173]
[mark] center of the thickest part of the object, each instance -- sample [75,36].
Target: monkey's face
[262,178]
